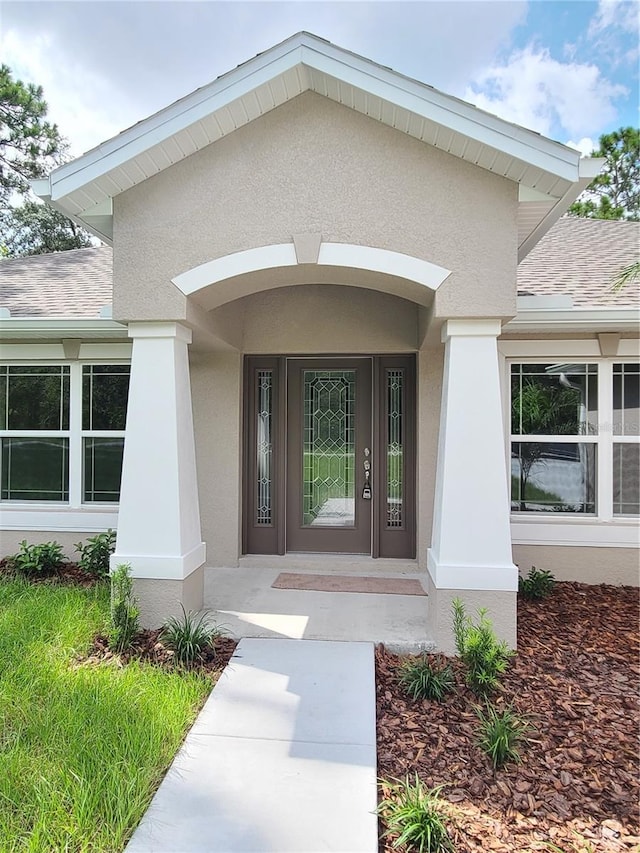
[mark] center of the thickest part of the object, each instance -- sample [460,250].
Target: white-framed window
[62,429]
[574,427]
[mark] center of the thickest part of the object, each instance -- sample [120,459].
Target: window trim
[74,514]
[603,529]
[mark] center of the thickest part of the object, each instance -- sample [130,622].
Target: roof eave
[587,319]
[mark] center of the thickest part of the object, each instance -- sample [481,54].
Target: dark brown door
[329,481]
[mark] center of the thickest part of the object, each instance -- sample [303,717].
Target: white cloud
[585,145]
[84,105]
[619,14]
[105,65]
[534,90]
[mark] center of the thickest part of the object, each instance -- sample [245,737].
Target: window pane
[554,399]
[264,447]
[626,479]
[329,448]
[35,397]
[553,477]
[105,388]
[626,399]
[395,447]
[35,469]
[102,469]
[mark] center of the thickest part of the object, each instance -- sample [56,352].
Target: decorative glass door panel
[329,441]
[328,468]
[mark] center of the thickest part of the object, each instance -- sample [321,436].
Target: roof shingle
[578,257]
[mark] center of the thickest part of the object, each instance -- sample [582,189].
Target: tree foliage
[615,192]
[30,147]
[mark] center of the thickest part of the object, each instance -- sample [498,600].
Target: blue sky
[566,69]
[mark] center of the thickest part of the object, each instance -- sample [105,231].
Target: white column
[471,541]
[159,518]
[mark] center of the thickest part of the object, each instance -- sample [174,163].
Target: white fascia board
[574,320]
[561,206]
[171,120]
[304,49]
[450,112]
[72,326]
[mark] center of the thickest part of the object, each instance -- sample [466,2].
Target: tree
[30,147]
[33,228]
[615,192]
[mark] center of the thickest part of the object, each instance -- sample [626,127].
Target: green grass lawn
[82,747]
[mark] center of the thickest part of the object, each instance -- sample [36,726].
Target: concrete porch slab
[272,765]
[244,603]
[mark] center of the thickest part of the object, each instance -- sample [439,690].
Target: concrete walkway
[282,757]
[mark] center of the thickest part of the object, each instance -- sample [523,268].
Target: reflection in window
[554,399]
[102,469]
[626,479]
[553,477]
[35,469]
[626,399]
[34,398]
[105,389]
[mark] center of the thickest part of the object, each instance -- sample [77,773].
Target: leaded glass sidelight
[395,447]
[264,448]
[328,469]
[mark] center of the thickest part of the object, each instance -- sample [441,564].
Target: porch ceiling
[550,175]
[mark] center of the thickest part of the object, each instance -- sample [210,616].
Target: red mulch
[148,646]
[576,677]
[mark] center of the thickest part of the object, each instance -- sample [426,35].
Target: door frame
[269,535]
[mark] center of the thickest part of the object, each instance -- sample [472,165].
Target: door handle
[366,491]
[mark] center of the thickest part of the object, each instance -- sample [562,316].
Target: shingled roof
[582,258]
[77,283]
[577,257]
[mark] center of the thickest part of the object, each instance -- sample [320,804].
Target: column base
[160,598]
[501,607]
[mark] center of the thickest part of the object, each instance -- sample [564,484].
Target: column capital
[471,328]
[156,329]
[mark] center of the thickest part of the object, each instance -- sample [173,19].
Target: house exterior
[316,345]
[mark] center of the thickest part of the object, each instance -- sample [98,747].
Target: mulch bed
[576,678]
[148,646]
[66,573]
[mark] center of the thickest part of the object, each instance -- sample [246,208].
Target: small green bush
[94,555]
[425,678]
[538,584]
[501,732]
[38,559]
[124,610]
[188,636]
[484,656]
[414,814]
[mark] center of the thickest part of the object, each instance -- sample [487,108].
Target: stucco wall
[10,540]
[315,166]
[216,383]
[587,565]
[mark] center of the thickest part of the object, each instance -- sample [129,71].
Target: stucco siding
[216,382]
[313,166]
[586,565]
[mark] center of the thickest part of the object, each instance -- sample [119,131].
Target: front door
[329,455]
[329,460]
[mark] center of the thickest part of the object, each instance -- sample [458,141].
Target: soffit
[84,188]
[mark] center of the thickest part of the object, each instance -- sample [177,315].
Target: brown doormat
[347,583]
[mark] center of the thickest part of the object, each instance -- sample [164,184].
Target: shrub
[501,731]
[538,584]
[43,558]
[484,656]
[424,678]
[94,555]
[415,815]
[188,636]
[124,610]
